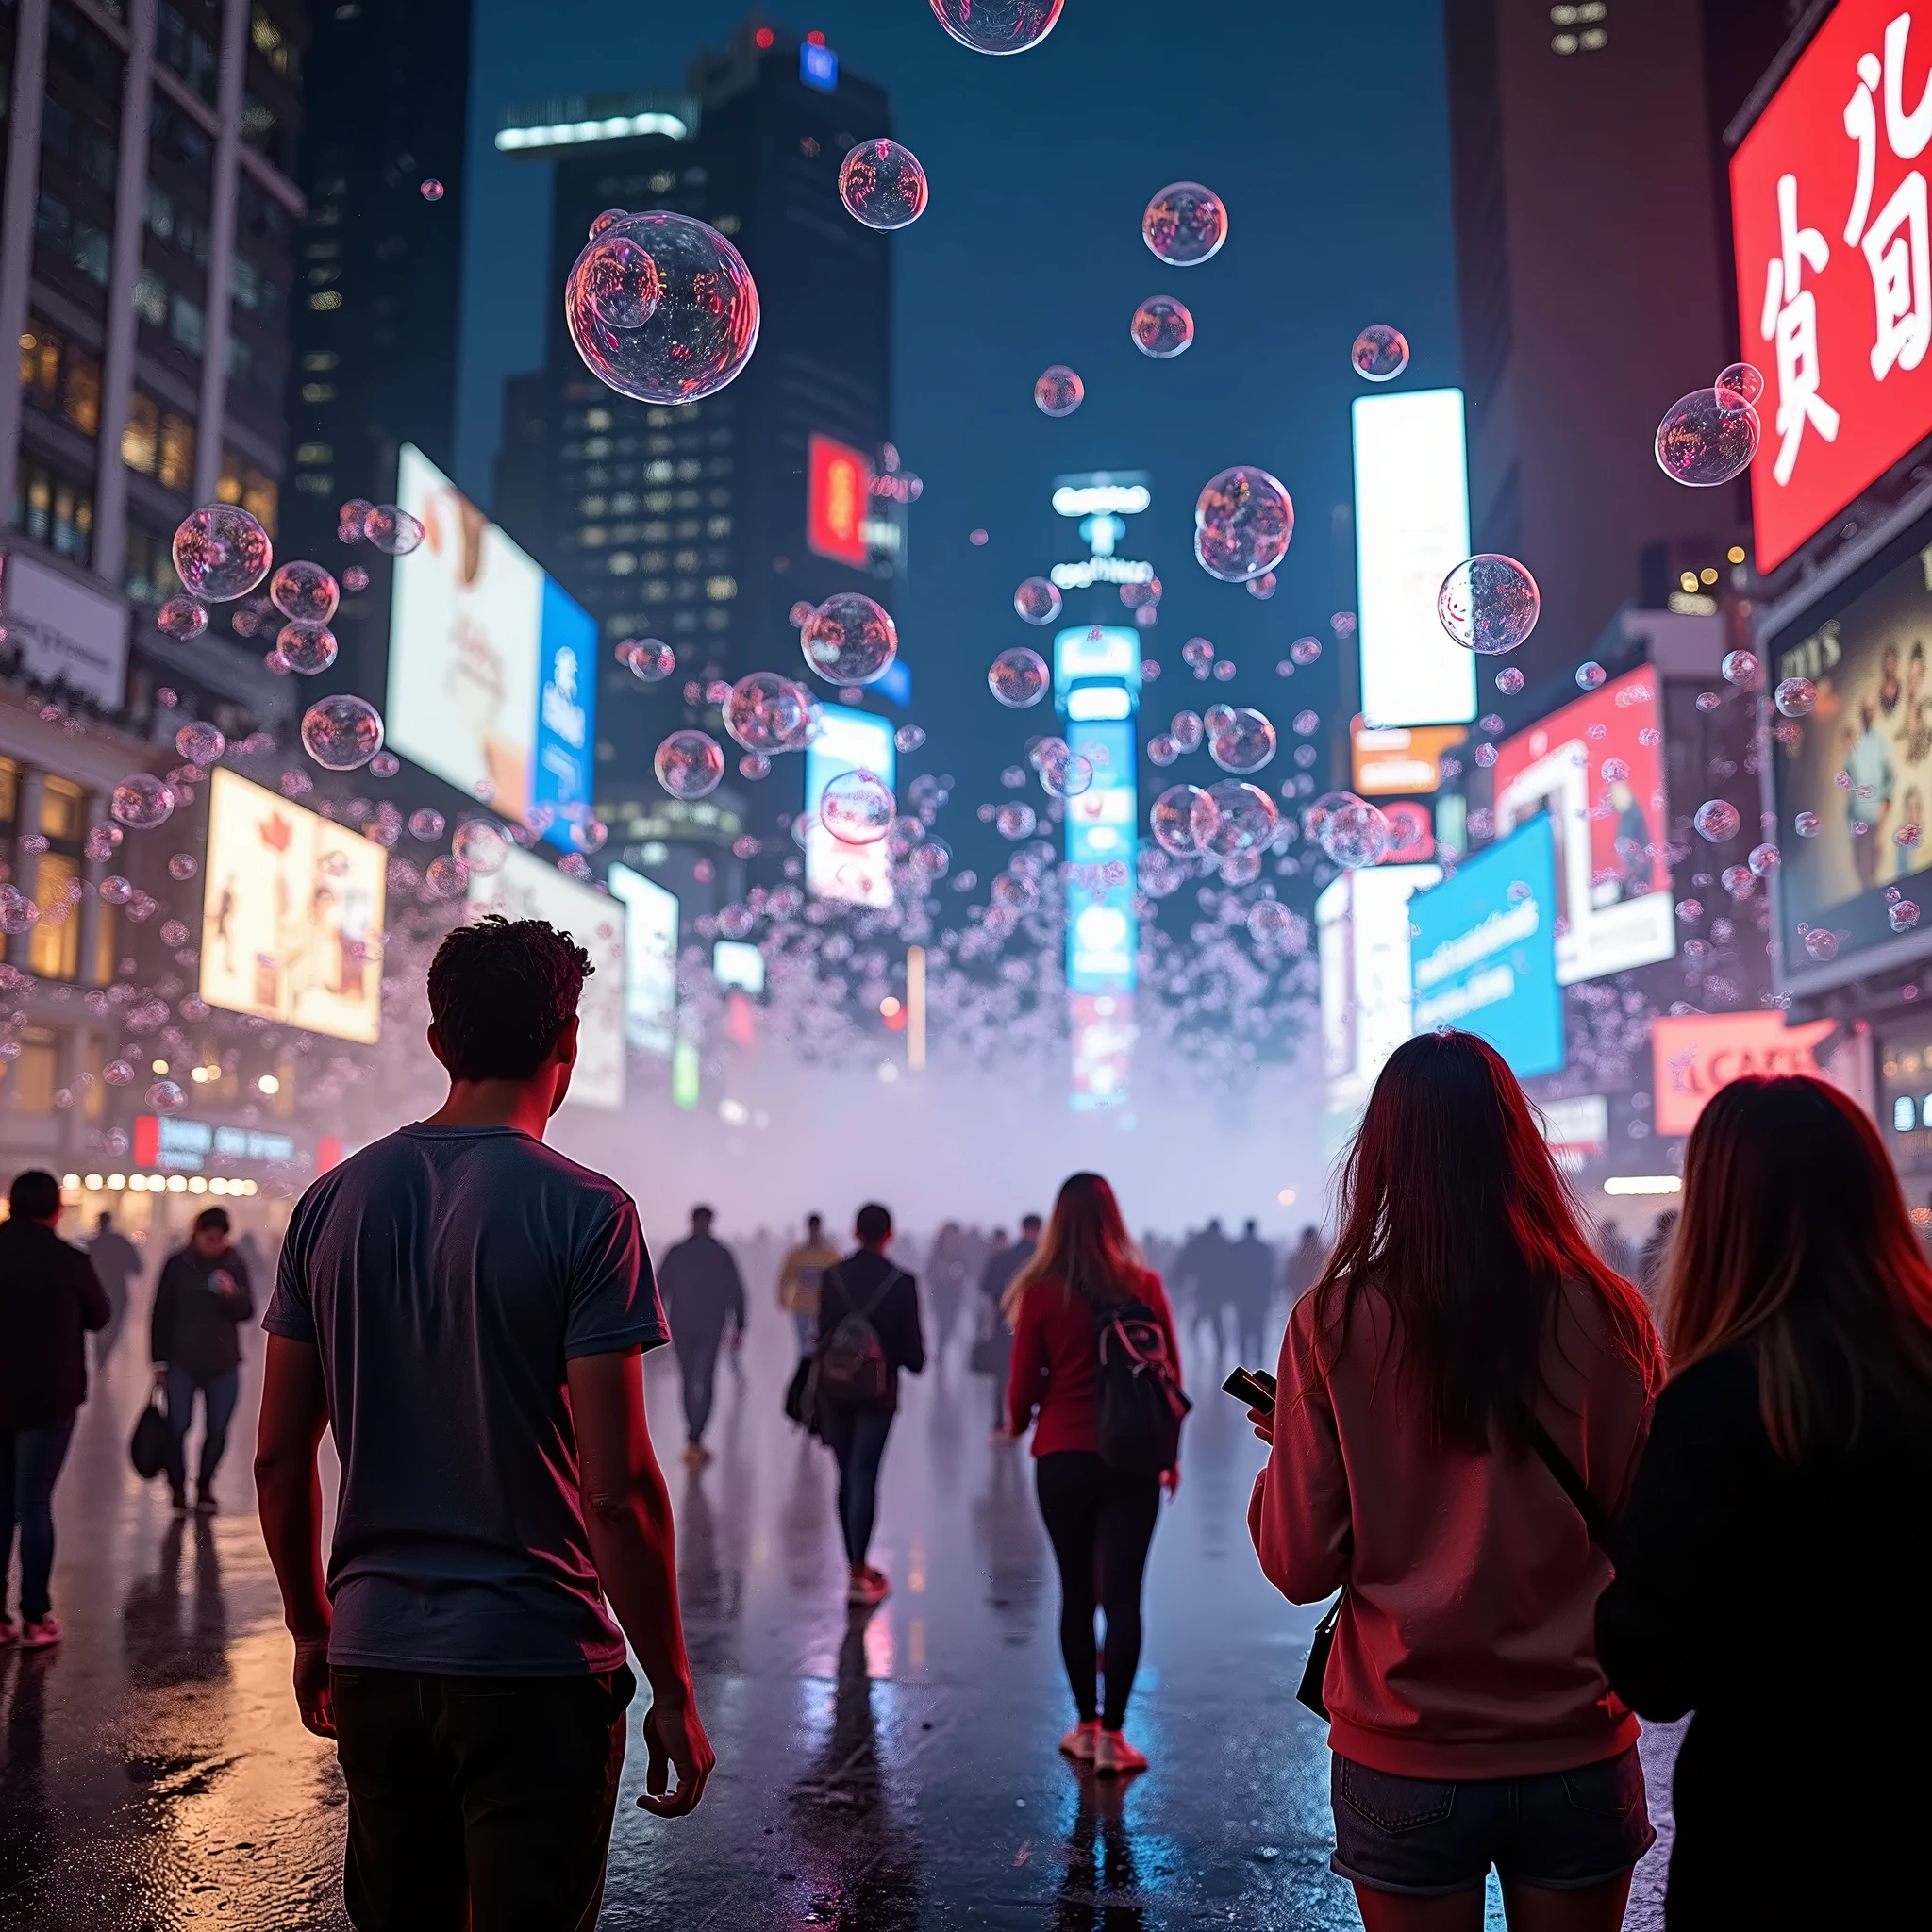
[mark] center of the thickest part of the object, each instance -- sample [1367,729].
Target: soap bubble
[1242,522]
[1140,595]
[1717,820]
[1805,824]
[166,1096]
[1161,327]
[1058,390]
[1738,880]
[17,912]
[882,184]
[647,659]
[1305,651]
[384,764]
[140,802]
[1764,861]
[1233,816]
[1742,669]
[1510,682]
[1355,835]
[1796,697]
[305,645]
[618,280]
[343,732]
[1067,775]
[1488,603]
[703,328]
[608,219]
[351,518]
[355,578]
[1821,944]
[393,531]
[1170,818]
[857,807]
[1186,730]
[1038,601]
[1197,654]
[480,845]
[754,765]
[766,712]
[1014,821]
[426,824]
[200,744]
[1270,919]
[997,26]
[1706,440]
[1262,587]
[1739,386]
[688,764]
[115,890]
[1589,674]
[908,738]
[181,617]
[432,189]
[1162,750]
[304,590]
[1019,677]
[183,866]
[588,834]
[1244,743]
[1380,353]
[1903,916]
[1307,723]
[1185,224]
[221,552]
[850,640]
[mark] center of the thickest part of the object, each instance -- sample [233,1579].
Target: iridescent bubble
[1270,920]
[1038,601]
[1066,777]
[1742,669]
[304,590]
[1709,701]
[115,890]
[1764,861]
[1705,440]
[1589,674]
[1805,824]
[1821,944]
[608,219]
[1307,723]
[1738,880]
[618,281]
[857,807]
[341,733]
[140,802]
[431,189]
[446,876]
[181,617]
[1717,820]
[1170,818]
[754,765]
[1139,597]
[1245,742]
[765,712]
[1162,750]
[200,744]
[1216,719]
[1241,868]
[118,1073]
[166,1096]
[480,845]
[305,645]
[384,764]
[1262,587]
[426,824]
[702,331]
[1058,390]
[1242,522]
[882,184]
[17,912]
[1488,603]
[1380,353]
[908,738]
[1796,697]
[1739,386]
[1187,730]
[1185,224]
[221,552]
[1197,654]
[931,856]
[1903,916]
[688,764]
[355,578]
[351,518]
[393,531]
[1305,651]
[850,640]
[997,26]
[1233,816]
[183,866]
[1355,835]
[1019,677]
[1510,682]
[648,661]
[1015,820]
[1612,770]
[1161,327]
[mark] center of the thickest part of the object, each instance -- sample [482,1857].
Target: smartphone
[1254,1386]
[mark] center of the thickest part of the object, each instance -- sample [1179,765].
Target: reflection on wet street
[874,1772]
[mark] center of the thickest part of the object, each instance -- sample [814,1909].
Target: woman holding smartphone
[1464,1357]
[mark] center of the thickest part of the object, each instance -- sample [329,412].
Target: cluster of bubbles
[382,525]
[1710,436]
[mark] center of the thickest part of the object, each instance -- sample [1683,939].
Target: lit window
[623,562]
[330,298]
[1563,44]
[1736,552]
[1707,574]
[310,453]
[319,359]
[719,589]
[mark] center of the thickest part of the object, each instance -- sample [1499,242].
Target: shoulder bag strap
[1564,1470]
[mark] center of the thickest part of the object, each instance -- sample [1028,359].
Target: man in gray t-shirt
[467,1309]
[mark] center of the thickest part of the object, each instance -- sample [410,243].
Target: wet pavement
[897,1769]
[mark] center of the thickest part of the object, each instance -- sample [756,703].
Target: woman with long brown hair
[1086,1288]
[1774,1568]
[1464,1364]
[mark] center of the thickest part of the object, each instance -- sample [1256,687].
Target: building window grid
[1580,29]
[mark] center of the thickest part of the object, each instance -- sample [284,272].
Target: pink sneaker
[42,1636]
[1081,1740]
[867,1588]
[1113,1756]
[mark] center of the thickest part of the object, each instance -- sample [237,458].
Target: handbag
[147,1448]
[1594,1521]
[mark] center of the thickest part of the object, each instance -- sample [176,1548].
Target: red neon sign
[840,482]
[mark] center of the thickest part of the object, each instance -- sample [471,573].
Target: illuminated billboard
[1597,768]
[650,958]
[1697,1053]
[848,740]
[1482,951]
[292,915]
[1834,297]
[1411,529]
[529,888]
[493,675]
[1361,926]
[838,485]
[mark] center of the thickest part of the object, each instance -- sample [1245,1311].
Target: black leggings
[1101,1520]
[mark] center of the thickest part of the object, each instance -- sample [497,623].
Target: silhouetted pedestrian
[995,1277]
[201,1300]
[704,1295]
[1250,1291]
[117,1263]
[1305,1265]
[799,1275]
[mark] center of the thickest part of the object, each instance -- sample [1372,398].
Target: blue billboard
[1483,950]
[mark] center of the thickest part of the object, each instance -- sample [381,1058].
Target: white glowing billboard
[849,740]
[650,958]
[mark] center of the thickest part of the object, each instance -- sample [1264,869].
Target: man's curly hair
[500,992]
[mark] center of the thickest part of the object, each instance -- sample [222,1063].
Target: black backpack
[852,1365]
[1140,1406]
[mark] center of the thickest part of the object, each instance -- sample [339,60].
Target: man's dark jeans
[478,1804]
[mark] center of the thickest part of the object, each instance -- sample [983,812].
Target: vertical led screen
[838,487]
[491,667]
[849,740]
[650,959]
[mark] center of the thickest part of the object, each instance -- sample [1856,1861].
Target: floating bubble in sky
[618,279]
[688,764]
[304,590]
[1038,601]
[1059,391]
[393,531]
[183,866]
[1066,776]
[850,640]
[221,552]
[1186,730]
[343,732]
[857,807]
[1162,750]
[1244,743]
[431,189]
[351,518]
[1380,353]
[1355,835]
[1270,920]
[1139,597]
[1233,816]
[480,845]
[1014,821]
[426,824]
[384,764]
[908,737]
[1185,224]
[1589,674]
[882,184]
[1019,677]
[766,712]
[355,578]
[1197,654]
[1903,916]
[1171,818]
[997,26]
[648,661]
[1717,820]
[181,617]
[1509,681]
[1304,650]
[17,912]
[1161,327]
[1706,440]
[1739,386]
[1796,697]
[1242,522]
[200,743]
[1821,944]
[140,802]
[166,1096]
[1488,603]
[703,328]
[305,645]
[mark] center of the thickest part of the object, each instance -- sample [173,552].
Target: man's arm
[288,1489]
[160,1327]
[627,1515]
[95,1309]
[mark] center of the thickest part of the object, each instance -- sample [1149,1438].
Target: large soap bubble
[1234,816]
[1170,818]
[1059,391]
[703,326]
[1488,603]
[392,531]
[849,639]
[1242,522]
[1380,353]
[1185,224]
[304,590]
[857,807]
[1161,327]
[481,846]
[306,645]
[766,712]
[343,732]
[997,26]
[141,801]
[1355,835]
[1707,437]
[200,743]
[1019,677]
[882,184]
[1245,743]
[221,552]
[688,764]
[1038,601]
[181,617]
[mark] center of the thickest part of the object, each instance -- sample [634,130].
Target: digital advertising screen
[849,740]
[1483,952]
[529,888]
[1596,768]
[1861,764]
[650,958]
[492,679]
[1695,1054]
[292,913]
[837,490]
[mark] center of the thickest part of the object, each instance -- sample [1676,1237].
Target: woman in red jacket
[1098,1518]
[1464,1343]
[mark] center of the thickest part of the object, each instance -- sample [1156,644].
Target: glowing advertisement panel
[839,483]
[529,888]
[1482,950]
[491,667]
[650,958]
[1828,216]
[1411,529]
[292,915]
[1697,1053]
[1597,768]
[849,740]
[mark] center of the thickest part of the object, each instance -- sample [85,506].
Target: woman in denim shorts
[1464,1353]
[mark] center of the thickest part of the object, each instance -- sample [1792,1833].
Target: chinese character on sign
[1791,320]
[1895,244]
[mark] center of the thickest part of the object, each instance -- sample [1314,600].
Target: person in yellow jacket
[798,1278]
